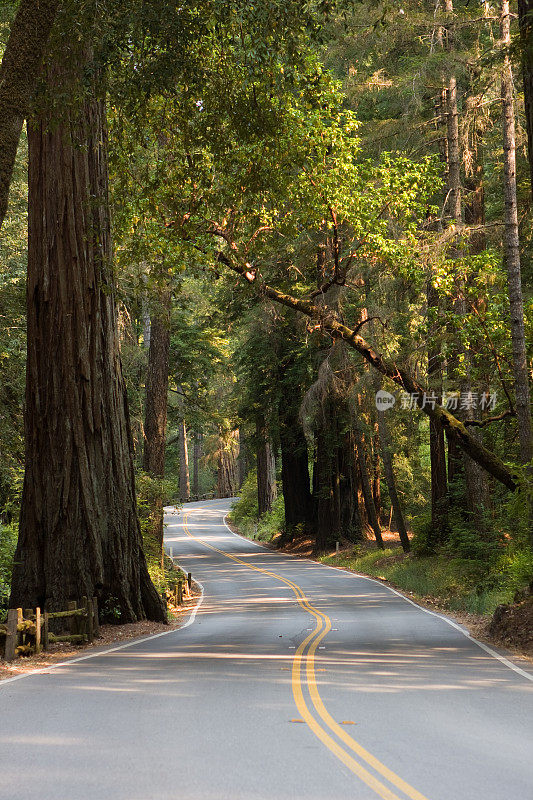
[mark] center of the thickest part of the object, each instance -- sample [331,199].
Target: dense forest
[277,250]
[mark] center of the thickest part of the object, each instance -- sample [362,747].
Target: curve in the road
[305,654]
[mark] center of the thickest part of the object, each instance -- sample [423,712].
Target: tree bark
[242,461]
[295,477]
[155,413]
[227,477]
[19,71]
[385,441]
[351,526]
[79,532]
[386,451]
[185,487]
[376,471]
[366,487]
[327,493]
[266,468]
[525,17]
[437,449]
[512,249]
[196,454]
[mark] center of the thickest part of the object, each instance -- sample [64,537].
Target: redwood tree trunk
[351,526]
[327,483]
[227,474]
[295,478]
[79,532]
[155,418]
[196,453]
[266,468]
[366,487]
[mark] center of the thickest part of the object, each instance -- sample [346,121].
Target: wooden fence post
[37,630]
[46,631]
[189,581]
[180,593]
[11,634]
[89,620]
[96,619]
[72,606]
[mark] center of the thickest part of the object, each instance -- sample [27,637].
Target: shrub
[245,515]
[8,543]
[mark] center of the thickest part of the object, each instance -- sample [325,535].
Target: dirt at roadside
[110,635]
[512,626]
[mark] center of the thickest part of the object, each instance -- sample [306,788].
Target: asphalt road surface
[292,680]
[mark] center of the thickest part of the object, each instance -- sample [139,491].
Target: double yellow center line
[304,664]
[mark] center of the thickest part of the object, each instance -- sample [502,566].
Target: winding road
[291,680]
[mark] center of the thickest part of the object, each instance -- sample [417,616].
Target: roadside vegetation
[469,573]
[308,280]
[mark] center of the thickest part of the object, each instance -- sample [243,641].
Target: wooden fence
[28,631]
[179,590]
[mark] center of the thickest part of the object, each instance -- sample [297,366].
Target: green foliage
[152,493]
[245,511]
[8,543]
[13,337]
[271,524]
[516,567]
[244,514]
[450,582]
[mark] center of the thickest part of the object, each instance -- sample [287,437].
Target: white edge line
[352,574]
[139,640]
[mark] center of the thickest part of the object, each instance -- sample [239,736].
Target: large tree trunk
[266,468]
[437,450]
[155,417]
[376,471]
[525,17]
[295,478]
[242,461]
[512,251]
[366,486]
[196,454]
[351,526]
[326,480]
[19,71]
[385,440]
[227,477]
[185,487]
[79,531]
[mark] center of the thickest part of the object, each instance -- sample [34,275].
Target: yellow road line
[322,628]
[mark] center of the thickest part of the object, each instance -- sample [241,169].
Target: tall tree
[227,452]
[79,532]
[512,247]
[155,417]
[196,454]
[266,467]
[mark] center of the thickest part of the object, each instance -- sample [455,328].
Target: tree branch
[454,428]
